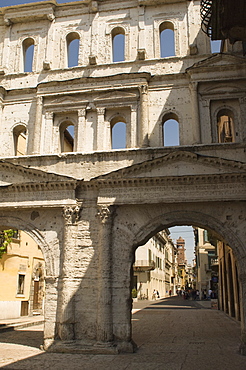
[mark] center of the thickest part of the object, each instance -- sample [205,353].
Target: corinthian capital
[105,213]
[71,214]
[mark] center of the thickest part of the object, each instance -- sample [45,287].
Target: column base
[86,347]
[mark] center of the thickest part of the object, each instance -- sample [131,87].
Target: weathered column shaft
[195,113]
[100,129]
[104,318]
[80,132]
[67,286]
[144,116]
[48,133]
[37,126]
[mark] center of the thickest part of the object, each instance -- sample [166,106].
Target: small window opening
[167,41]
[67,137]
[73,42]
[171,131]
[28,53]
[20,140]
[118,135]
[118,44]
[225,122]
[21,283]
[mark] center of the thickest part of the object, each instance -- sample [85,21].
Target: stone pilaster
[132,135]
[49,117]
[67,286]
[80,144]
[144,116]
[38,125]
[49,43]
[104,317]
[195,113]
[100,129]
[242,279]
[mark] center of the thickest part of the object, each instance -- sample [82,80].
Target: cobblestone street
[172,334]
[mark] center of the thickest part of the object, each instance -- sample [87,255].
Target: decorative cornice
[167,181]
[40,186]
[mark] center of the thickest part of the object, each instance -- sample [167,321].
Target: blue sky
[17,2]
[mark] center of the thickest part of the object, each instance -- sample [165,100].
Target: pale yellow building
[21,278]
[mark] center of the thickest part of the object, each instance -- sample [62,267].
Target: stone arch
[37,236]
[135,224]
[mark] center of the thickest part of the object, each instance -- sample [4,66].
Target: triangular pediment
[177,164]
[17,174]
[116,95]
[65,100]
[218,60]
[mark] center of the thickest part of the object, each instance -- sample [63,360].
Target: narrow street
[172,334]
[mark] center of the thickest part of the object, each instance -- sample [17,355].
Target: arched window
[118,133]
[167,41]
[225,124]
[118,44]
[73,49]
[170,130]
[28,53]
[67,137]
[20,140]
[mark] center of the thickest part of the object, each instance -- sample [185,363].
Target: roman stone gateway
[69,75]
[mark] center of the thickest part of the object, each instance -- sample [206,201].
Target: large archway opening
[184,267]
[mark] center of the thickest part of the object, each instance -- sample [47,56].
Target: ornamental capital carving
[49,115]
[81,112]
[242,100]
[7,22]
[101,111]
[105,213]
[50,17]
[71,214]
[143,89]
[39,100]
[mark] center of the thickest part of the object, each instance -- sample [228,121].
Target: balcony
[143,265]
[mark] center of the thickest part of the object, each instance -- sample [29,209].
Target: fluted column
[104,317]
[144,116]
[196,139]
[100,129]
[38,125]
[80,135]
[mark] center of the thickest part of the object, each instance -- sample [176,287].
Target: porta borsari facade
[90,208]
